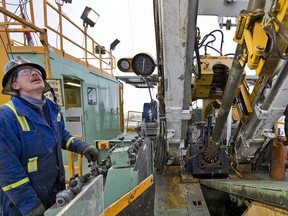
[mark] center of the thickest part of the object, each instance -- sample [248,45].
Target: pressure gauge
[143,64]
[123,64]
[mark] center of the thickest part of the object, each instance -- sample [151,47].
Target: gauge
[143,64]
[124,64]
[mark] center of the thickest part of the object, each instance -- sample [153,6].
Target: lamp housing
[89,17]
[114,44]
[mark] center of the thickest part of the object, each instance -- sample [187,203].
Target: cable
[161,148]
[274,34]
[274,37]
[53,93]
[24,11]
[198,72]
[228,54]
[211,34]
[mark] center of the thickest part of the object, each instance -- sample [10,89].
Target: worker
[32,134]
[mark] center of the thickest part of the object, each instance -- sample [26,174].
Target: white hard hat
[10,70]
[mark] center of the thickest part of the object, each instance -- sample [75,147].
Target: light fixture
[89,16]
[114,44]
[60,2]
[72,84]
[102,49]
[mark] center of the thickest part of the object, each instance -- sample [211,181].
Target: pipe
[279,160]
[229,95]
[232,83]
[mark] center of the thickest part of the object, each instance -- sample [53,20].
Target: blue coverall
[31,166]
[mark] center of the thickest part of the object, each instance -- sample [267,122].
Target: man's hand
[91,153]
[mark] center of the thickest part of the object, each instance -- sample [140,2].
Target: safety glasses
[27,71]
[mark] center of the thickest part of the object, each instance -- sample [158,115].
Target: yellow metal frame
[71,167]
[121,109]
[129,197]
[129,119]
[250,31]
[202,87]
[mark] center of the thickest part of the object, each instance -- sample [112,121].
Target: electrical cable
[161,148]
[161,145]
[273,34]
[201,44]
[53,93]
[274,37]
[28,19]
[197,72]
[228,54]
[211,41]
[213,49]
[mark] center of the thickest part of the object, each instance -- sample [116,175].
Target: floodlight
[89,17]
[114,44]
[60,2]
[102,49]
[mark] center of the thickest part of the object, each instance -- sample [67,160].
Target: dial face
[123,64]
[143,64]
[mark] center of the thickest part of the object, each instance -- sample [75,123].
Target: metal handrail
[89,52]
[87,37]
[129,119]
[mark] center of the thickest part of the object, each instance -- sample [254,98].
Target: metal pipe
[229,95]
[232,82]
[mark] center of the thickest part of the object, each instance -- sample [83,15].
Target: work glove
[38,211]
[91,153]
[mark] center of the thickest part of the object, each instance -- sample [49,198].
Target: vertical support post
[80,164]
[4,60]
[45,12]
[61,29]
[32,12]
[111,63]
[71,164]
[3,54]
[85,44]
[121,101]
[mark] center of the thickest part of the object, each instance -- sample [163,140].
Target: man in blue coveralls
[32,133]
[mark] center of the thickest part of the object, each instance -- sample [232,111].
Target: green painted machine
[123,165]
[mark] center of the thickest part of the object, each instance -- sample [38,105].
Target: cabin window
[92,96]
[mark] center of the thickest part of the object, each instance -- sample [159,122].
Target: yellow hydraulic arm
[265,36]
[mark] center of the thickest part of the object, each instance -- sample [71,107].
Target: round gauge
[123,64]
[143,64]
